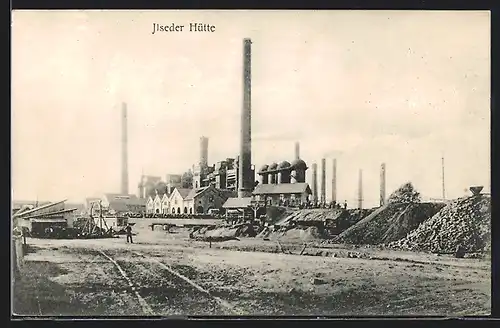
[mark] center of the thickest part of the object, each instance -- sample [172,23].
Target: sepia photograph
[250,163]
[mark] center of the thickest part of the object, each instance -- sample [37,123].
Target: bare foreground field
[168,274]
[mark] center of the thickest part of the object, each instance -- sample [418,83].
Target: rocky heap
[238,230]
[464,222]
[313,224]
[343,218]
[388,223]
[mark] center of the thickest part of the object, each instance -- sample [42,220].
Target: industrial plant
[168,247]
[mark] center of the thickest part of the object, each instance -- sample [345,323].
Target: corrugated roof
[48,216]
[25,213]
[236,202]
[282,188]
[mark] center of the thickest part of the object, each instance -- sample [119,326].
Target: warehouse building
[50,215]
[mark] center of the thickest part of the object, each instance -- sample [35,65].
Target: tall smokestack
[124,187]
[334,181]
[382,184]
[315,182]
[323,181]
[245,179]
[297,150]
[360,190]
[204,151]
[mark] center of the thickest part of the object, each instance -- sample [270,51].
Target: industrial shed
[47,216]
[238,207]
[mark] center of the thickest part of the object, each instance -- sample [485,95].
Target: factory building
[283,183]
[223,175]
[202,200]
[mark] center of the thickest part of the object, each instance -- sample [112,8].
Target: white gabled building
[157,208]
[165,204]
[177,201]
[150,208]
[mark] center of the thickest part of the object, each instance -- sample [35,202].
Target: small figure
[129,233]
[345,204]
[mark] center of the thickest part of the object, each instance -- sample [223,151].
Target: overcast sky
[365,87]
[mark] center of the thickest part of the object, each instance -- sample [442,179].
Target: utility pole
[442,176]
[360,190]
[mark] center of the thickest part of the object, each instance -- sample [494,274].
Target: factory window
[178,210]
[196,184]
[185,210]
[190,210]
[157,211]
[173,210]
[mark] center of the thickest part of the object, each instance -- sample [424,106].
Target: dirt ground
[168,274]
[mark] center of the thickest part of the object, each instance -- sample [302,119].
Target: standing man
[129,233]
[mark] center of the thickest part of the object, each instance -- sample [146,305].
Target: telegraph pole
[360,190]
[442,177]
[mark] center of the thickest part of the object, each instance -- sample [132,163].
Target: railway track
[162,290]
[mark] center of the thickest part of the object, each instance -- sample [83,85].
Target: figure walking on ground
[129,234]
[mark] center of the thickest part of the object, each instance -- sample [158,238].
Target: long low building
[36,220]
[285,193]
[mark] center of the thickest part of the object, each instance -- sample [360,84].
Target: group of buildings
[207,187]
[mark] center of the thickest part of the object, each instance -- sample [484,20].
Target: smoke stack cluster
[382,184]
[315,182]
[297,150]
[124,182]
[334,181]
[203,151]
[323,181]
[245,178]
